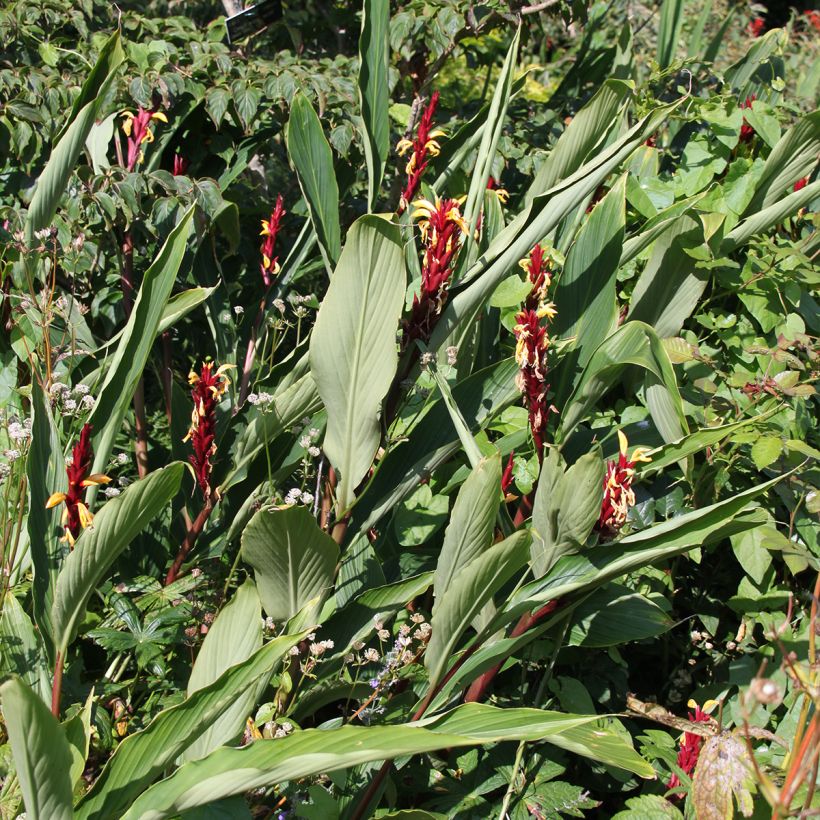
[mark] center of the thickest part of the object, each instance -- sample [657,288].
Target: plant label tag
[254,19]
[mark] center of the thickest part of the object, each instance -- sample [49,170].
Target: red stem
[188,544]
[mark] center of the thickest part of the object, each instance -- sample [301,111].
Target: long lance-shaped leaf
[298,400]
[490,137]
[40,751]
[45,468]
[535,222]
[434,439]
[790,160]
[70,141]
[302,754]
[132,352]
[743,76]
[141,757]
[21,650]
[669,31]
[466,596]
[635,343]
[577,574]
[293,560]
[470,530]
[312,159]
[588,129]
[233,637]
[118,522]
[353,346]
[769,217]
[374,95]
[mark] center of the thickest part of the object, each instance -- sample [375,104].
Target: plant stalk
[190,539]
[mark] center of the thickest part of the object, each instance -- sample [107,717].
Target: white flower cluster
[260,399]
[296,496]
[73,401]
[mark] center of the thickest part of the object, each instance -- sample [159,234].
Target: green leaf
[374,93]
[632,344]
[791,159]
[588,129]
[470,531]
[131,355]
[78,734]
[45,470]
[723,771]
[40,751]
[471,588]
[70,141]
[119,521]
[567,505]
[142,757]
[234,636]
[21,652]
[305,753]
[766,450]
[615,616]
[669,31]
[312,160]
[293,560]
[490,136]
[353,354]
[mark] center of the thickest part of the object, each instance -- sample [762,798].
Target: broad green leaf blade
[472,522]
[353,354]
[77,731]
[469,591]
[490,136]
[295,402]
[567,505]
[40,751]
[45,469]
[119,521]
[480,397]
[132,352]
[632,344]
[141,757]
[374,94]
[234,636]
[21,651]
[293,560]
[304,753]
[587,130]
[541,216]
[791,159]
[743,76]
[70,141]
[312,159]
[669,31]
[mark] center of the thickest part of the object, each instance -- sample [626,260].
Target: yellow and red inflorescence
[691,743]
[422,147]
[208,387]
[270,228]
[746,130]
[137,130]
[618,493]
[76,515]
[442,226]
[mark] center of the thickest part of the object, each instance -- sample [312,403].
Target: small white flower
[305,441]
[279,305]
[383,634]
[69,406]
[81,389]
[314,451]
[358,645]
[253,398]
[11,455]
[57,388]
[417,618]
[314,433]
[328,644]
[293,495]
[17,432]
[111,492]
[294,650]
[122,458]
[238,310]
[265,398]
[427,359]
[307,498]
[88,402]
[371,655]
[452,352]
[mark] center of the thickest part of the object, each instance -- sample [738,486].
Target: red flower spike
[422,147]
[269,266]
[756,27]
[618,493]
[814,18]
[441,226]
[537,267]
[531,354]
[180,165]
[746,130]
[507,476]
[76,515]
[690,745]
[801,184]
[136,128]
[208,387]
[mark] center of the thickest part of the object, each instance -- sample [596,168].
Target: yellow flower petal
[86,519]
[54,499]
[95,480]
[158,115]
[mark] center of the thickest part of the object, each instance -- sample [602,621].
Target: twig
[57,685]
[190,539]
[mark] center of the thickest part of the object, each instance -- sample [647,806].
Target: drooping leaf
[21,650]
[301,754]
[672,12]
[293,560]
[141,757]
[119,521]
[233,637]
[374,94]
[40,751]
[353,354]
[723,775]
[312,160]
